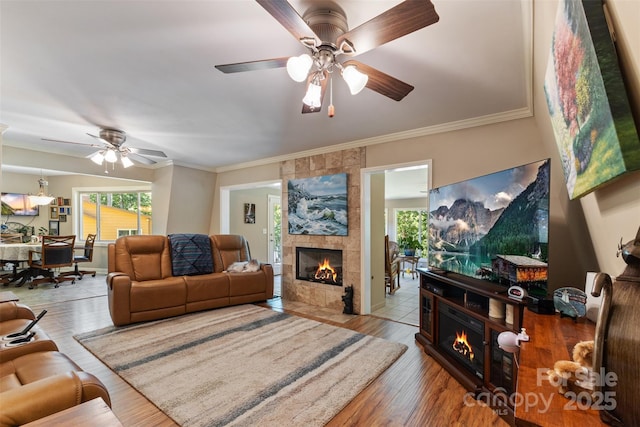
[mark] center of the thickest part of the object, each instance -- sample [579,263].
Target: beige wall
[612,212]
[187,198]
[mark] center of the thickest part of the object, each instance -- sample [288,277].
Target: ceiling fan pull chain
[332,109]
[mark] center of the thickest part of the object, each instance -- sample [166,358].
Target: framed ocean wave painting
[318,205]
[590,113]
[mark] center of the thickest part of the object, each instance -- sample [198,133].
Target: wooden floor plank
[414,391]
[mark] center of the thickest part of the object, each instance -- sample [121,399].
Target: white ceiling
[147,67]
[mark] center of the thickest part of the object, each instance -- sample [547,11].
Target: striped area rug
[244,366]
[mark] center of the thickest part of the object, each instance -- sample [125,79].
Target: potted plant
[41,232]
[409,243]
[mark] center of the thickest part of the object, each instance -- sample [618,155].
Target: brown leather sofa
[142,287]
[35,379]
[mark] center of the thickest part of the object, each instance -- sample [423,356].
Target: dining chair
[391,265]
[87,256]
[9,238]
[55,252]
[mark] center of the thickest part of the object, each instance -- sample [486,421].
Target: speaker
[541,306]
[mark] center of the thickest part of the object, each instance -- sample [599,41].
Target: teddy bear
[574,375]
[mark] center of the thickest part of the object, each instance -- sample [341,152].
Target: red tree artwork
[568,56]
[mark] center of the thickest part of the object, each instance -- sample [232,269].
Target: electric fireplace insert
[462,337]
[319,265]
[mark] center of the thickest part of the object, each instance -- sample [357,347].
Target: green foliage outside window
[277,227]
[126,201]
[411,229]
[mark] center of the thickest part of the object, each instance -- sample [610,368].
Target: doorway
[263,232]
[274,232]
[404,185]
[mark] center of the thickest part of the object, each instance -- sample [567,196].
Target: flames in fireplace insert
[462,345]
[325,271]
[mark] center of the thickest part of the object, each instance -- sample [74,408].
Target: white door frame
[225,195]
[272,200]
[365,218]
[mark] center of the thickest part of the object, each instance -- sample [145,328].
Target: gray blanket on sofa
[190,254]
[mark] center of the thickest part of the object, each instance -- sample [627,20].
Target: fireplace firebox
[319,265]
[461,336]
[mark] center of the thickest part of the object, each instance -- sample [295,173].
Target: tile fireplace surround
[320,294]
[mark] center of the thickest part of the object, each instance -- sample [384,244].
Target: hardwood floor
[414,391]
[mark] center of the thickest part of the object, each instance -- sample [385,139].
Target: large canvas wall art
[318,205]
[588,104]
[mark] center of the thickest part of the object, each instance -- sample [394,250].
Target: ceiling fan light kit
[354,78]
[313,96]
[324,31]
[298,67]
[110,156]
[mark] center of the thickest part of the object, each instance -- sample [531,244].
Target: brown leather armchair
[391,265]
[36,385]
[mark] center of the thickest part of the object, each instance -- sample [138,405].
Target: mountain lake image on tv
[494,227]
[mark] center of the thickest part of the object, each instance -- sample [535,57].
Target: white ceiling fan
[112,149]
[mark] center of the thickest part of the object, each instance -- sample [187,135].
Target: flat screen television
[494,227]
[18,204]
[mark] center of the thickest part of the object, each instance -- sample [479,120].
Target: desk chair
[87,256]
[55,252]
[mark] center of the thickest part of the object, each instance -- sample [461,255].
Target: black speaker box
[541,306]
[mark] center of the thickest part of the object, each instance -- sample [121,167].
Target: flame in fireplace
[462,346]
[325,271]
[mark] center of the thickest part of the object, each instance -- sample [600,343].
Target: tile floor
[403,306]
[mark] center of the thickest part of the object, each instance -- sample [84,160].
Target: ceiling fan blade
[141,159]
[287,16]
[146,152]
[70,142]
[400,20]
[382,83]
[104,141]
[264,64]
[323,85]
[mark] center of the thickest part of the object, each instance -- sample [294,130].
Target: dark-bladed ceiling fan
[111,149]
[323,30]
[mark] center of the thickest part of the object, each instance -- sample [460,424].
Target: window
[412,228]
[110,215]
